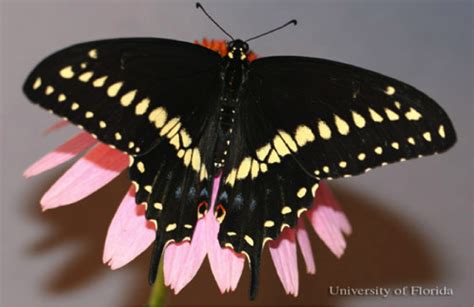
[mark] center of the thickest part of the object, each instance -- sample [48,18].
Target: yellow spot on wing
[175,141]
[301,192]
[361,156]
[196,161]
[158,206]
[314,188]
[378,150]
[185,138]
[303,135]
[89,114]
[102,124]
[411,140]
[93,53]
[263,152]
[358,119]
[269,223]
[158,116]
[341,125]
[273,158]
[391,115]
[85,77]
[99,82]
[324,130]
[113,90]
[288,140]
[412,114]
[285,210]
[398,105]
[263,167]
[142,106]
[427,136]
[118,136]
[148,188]
[390,90]
[61,97]
[66,72]
[127,99]
[441,131]
[74,106]
[141,167]
[49,90]
[171,227]
[280,146]
[188,156]
[343,164]
[395,145]
[254,171]
[375,116]
[169,125]
[230,180]
[37,83]
[249,240]
[244,168]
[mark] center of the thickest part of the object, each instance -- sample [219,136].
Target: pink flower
[130,233]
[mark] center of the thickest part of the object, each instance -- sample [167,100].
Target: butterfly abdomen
[233,79]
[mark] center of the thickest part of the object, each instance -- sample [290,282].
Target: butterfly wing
[153,99]
[347,120]
[304,119]
[124,91]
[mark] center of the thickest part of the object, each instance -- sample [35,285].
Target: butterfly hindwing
[346,120]
[125,91]
[258,197]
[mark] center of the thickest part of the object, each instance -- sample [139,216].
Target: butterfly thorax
[233,77]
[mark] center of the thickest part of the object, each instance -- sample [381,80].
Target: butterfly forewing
[125,91]
[346,120]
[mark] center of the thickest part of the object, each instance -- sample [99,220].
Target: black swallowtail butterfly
[273,128]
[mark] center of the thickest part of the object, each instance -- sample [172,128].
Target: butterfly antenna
[293,21]
[199,6]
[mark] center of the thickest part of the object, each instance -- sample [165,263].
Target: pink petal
[283,252]
[97,168]
[183,260]
[56,126]
[329,221]
[305,247]
[129,233]
[63,153]
[226,265]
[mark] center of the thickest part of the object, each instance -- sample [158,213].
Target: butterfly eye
[220,213]
[202,208]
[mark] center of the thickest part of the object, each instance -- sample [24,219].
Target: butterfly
[272,128]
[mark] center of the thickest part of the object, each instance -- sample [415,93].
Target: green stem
[158,292]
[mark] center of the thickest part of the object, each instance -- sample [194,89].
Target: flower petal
[226,265]
[63,153]
[305,247]
[182,260]
[56,126]
[283,252]
[97,168]
[129,233]
[329,221]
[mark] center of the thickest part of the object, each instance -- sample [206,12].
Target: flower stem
[158,291]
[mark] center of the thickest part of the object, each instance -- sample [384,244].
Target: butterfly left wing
[126,91]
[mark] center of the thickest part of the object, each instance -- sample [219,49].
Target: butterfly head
[237,50]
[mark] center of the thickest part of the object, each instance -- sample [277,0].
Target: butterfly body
[233,77]
[271,128]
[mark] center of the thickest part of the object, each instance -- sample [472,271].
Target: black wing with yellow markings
[347,120]
[153,99]
[124,91]
[304,119]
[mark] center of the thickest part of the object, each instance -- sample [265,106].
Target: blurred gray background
[413,222]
